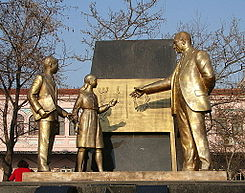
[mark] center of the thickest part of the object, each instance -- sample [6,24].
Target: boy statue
[43,99]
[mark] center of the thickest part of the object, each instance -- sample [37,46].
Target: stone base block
[125,176]
[128,187]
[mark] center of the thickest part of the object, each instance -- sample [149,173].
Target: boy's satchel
[48,106]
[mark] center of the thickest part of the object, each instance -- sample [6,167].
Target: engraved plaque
[150,113]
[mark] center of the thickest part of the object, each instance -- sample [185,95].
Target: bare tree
[28,31]
[226,133]
[138,19]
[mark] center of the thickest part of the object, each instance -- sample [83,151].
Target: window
[239,176]
[229,141]
[33,129]
[61,125]
[220,125]
[237,127]
[72,128]
[20,125]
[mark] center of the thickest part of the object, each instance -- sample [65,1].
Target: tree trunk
[7,163]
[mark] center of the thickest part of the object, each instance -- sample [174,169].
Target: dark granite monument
[135,59]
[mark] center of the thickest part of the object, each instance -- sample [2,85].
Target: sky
[212,13]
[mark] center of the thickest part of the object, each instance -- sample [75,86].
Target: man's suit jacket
[196,80]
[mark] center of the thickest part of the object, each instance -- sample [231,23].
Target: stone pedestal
[128,187]
[124,176]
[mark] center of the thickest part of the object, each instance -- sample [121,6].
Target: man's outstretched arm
[158,86]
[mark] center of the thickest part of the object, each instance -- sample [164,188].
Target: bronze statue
[43,100]
[191,82]
[89,133]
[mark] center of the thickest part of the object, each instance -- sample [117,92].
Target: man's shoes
[44,169]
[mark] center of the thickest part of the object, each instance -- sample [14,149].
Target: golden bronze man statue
[89,133]
[43,100]
[191,82]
